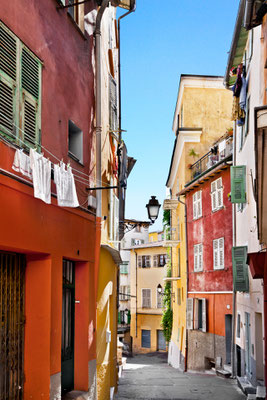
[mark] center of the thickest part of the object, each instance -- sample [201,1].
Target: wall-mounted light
[153,207]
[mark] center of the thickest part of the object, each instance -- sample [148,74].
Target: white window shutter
[196,257]
[189,314]
[200,257]
[213,186]
[155,260]
[221,252]
[215,254]
[139,261]
[111,210]
[219,183]
[204,315]
[196,325]
[116,219]
[220,198]
[213,201]
[200,204]
[194,206]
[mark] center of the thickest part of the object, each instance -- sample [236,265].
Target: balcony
[221,151]
[171,237]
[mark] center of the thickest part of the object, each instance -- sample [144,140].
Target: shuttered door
[12,272]
[146,338]
[161,340]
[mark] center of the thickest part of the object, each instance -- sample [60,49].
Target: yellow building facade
[202,115]
[148,270]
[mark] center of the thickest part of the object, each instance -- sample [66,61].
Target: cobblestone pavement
[147,377]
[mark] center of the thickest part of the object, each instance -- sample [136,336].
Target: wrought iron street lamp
[153,207]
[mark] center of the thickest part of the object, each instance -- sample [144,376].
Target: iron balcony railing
[213,157]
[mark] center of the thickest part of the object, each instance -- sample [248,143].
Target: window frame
[217,194]
[197,205]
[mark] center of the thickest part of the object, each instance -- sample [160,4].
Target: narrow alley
[150,377]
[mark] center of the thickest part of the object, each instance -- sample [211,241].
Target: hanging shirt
[41,174]
[21,163]
[243,94]
[66,189]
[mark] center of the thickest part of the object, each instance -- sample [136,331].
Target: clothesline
[80,179]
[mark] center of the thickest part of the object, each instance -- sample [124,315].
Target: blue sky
[160,41]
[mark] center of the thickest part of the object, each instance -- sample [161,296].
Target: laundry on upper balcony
[21,163]
[41,174]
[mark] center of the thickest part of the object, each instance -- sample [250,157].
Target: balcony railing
[212,158]
[171,236]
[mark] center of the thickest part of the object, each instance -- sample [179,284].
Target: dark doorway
[12,278]
[67,340]
[238,360]
[228,337]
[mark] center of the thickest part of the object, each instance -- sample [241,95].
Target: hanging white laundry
[66,189]
[21,163]
[41,174]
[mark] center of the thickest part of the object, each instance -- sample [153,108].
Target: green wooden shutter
[238,184]
[240,269]
[30,97]
[113,105]
[8,81]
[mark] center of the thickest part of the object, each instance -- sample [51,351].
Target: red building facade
[47,252]
[210,279]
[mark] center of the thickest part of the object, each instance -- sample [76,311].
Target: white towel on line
[66,189]
[41,174]
[21,163]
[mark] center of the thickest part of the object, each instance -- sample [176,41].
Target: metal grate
[29,122]
[8,51]
[6,106]
[12,271]
[30,73]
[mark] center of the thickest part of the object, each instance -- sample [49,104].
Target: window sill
[77,27]
[73,157]
[218,209]
[195,219]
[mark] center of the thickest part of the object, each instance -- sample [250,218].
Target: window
[137,242]
[146,298]
[247,116]
[216,194]
[20,90]
[113,217]
[240,269]
[77,13]
[145,339]
[159,260]
[197,205]
[179,262]
[198,257]
[218,253]
[196,317]
[113,105]
[75,142]
[124,268]
[238,184]
[123,293]
[238,325]
[144,261]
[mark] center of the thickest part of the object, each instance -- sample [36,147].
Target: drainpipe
[98,104]
[121,190]
[234,244]
[135,293]
[186,289]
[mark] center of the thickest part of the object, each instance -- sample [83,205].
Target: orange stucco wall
[47,234]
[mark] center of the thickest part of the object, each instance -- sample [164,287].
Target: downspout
[98,105]
[186,289]
[120,190]
[135,293]
[234,244]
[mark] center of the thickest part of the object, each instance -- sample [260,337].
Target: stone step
[222,372]
[228,367]
[251,397]
[261,392]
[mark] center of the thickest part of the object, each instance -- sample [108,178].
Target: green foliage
[192,153]
[167,316]
[166,218]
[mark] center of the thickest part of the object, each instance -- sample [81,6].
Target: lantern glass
[153,207]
